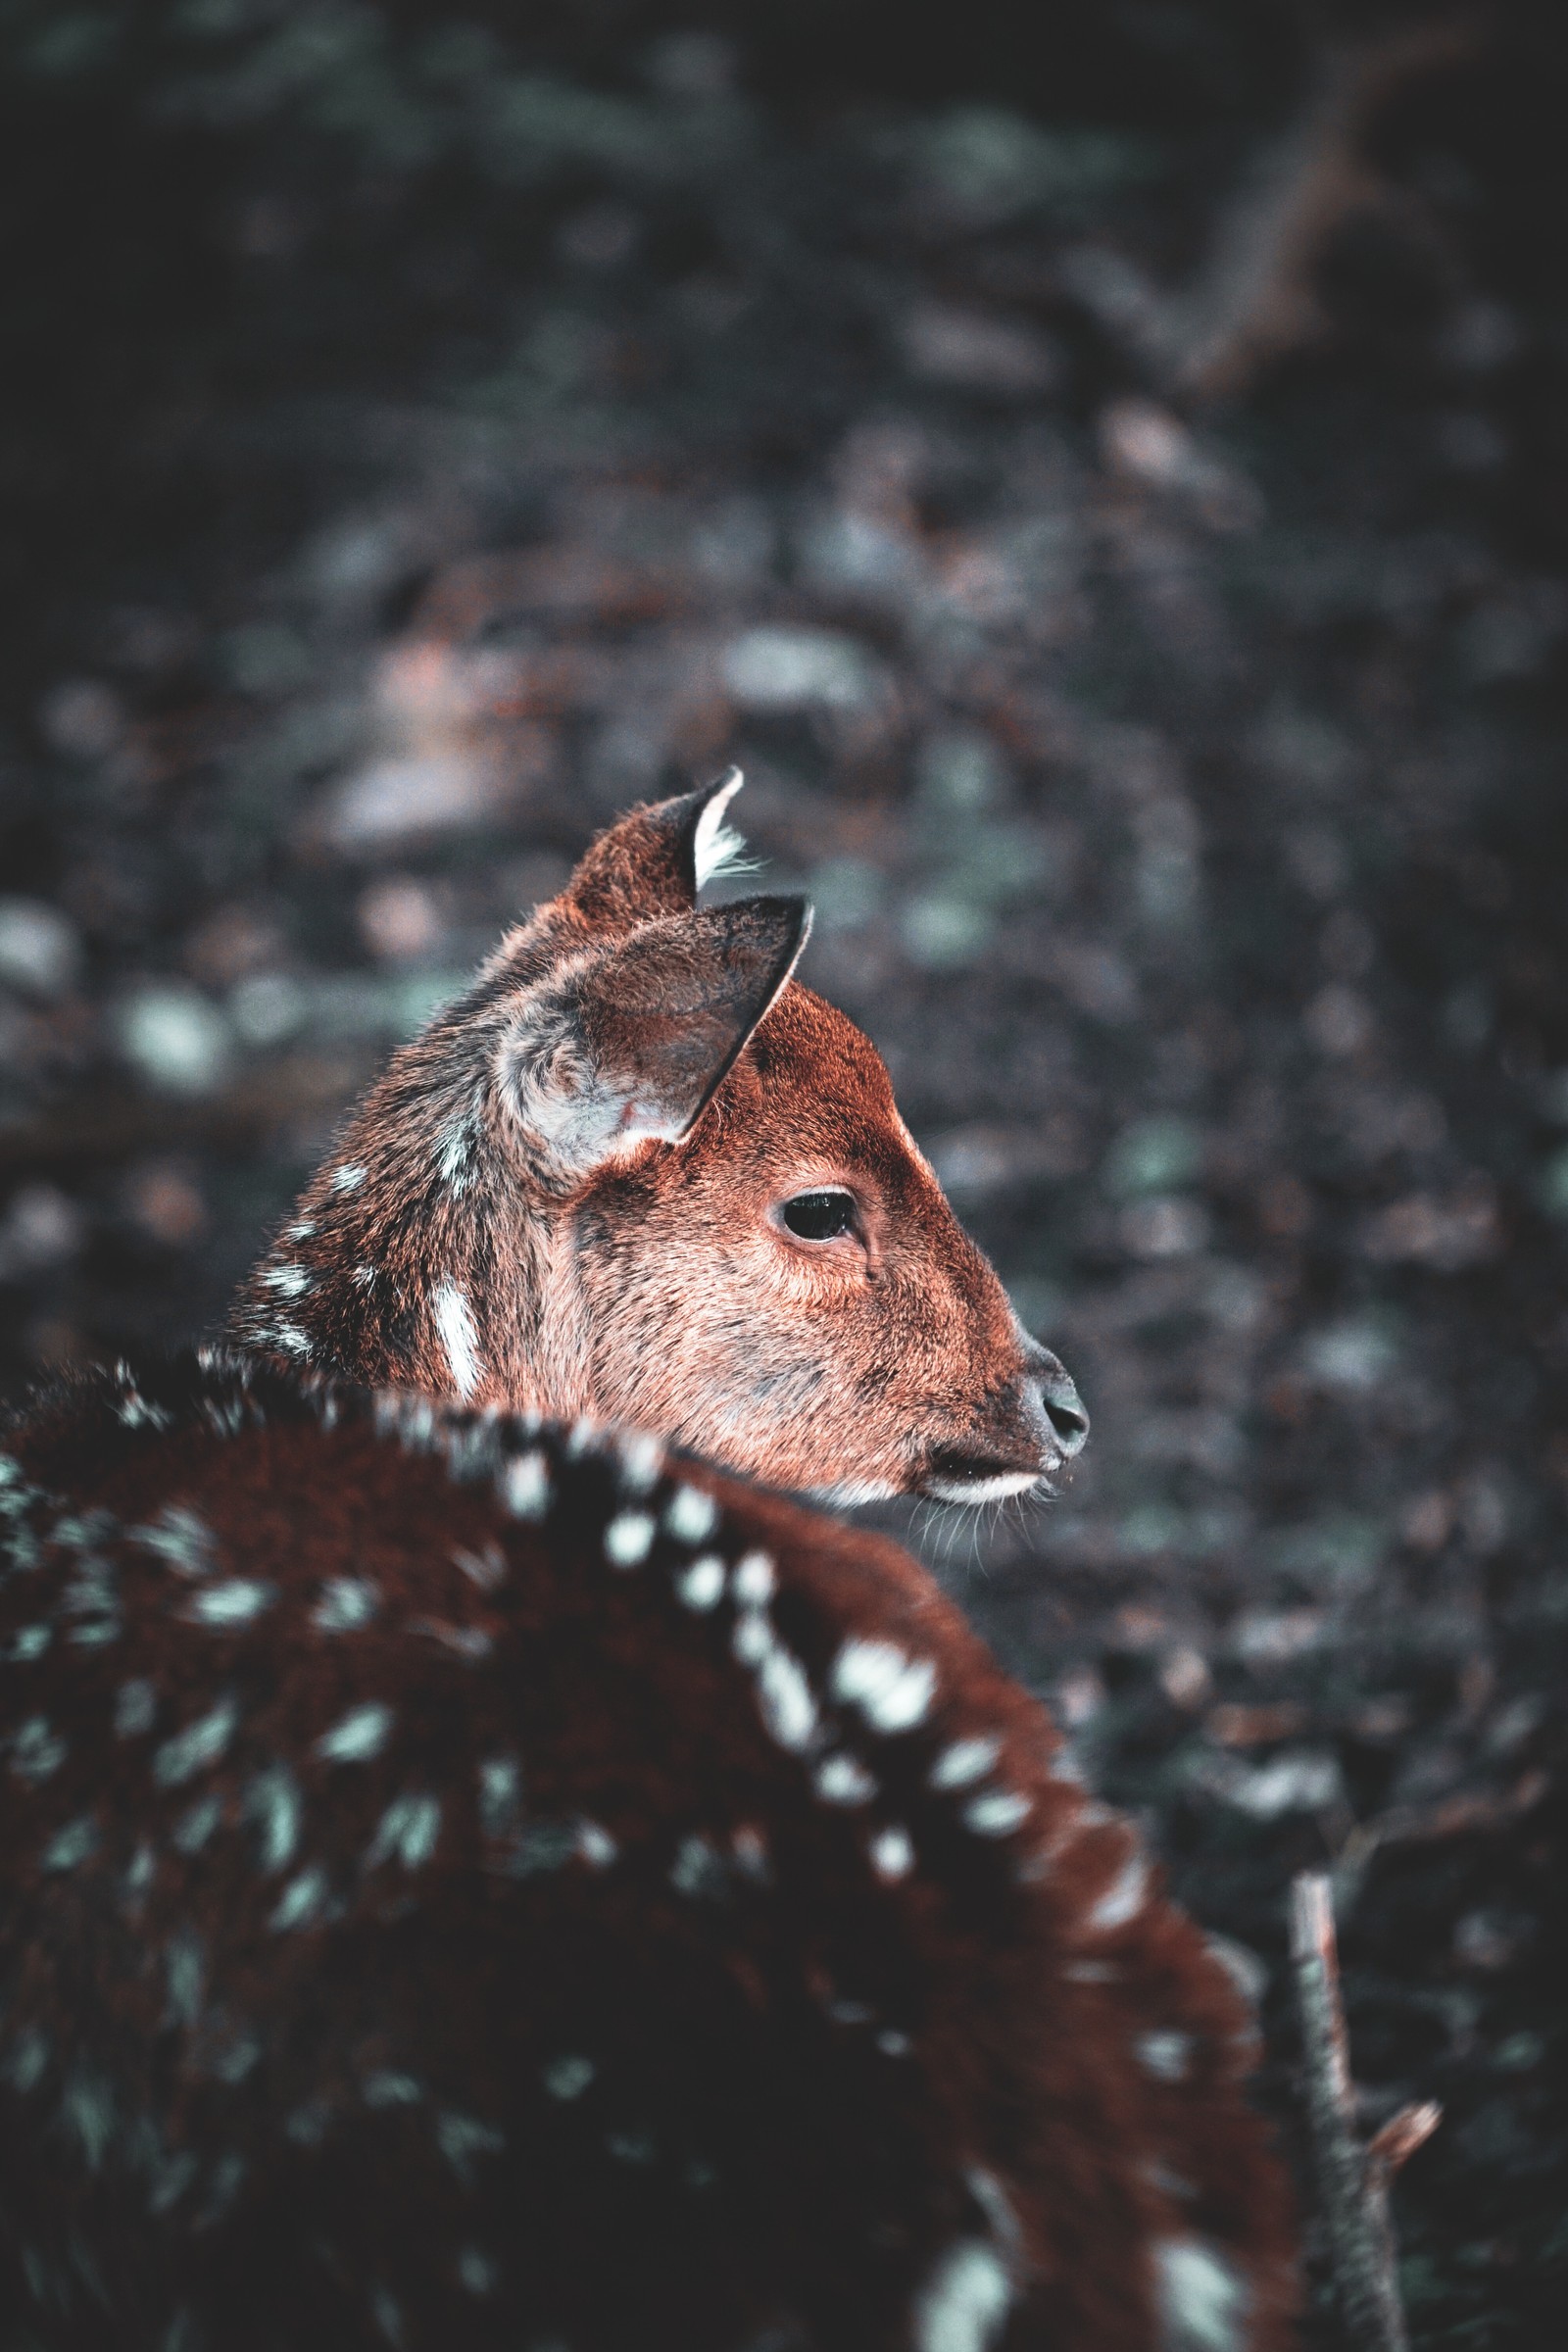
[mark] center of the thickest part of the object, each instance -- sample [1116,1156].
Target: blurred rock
[41,1229]
[1446,1234]
[176,1039]
[794,668]
[162,1197]
[83,718]
[399,921]
[978,351]
[40,951]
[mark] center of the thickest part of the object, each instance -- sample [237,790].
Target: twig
[1353,2182]
[1397,2140]
[1253,298]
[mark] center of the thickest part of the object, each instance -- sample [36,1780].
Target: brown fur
[640,2040]
[589,1150]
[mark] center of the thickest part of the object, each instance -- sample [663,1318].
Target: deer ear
[655,861]
[630,1040]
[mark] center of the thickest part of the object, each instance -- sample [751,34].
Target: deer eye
[819,1216]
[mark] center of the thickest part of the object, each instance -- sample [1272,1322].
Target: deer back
[475,1884]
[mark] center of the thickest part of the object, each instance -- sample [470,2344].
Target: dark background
[1102,471]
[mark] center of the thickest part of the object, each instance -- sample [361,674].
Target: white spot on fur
[716,848]
[408,1832]
[753,1638]
[1164,2054]
[892,1690]
[751,1853]
[628,1539]
[1124,1897]
[289,1282]
[298,1233]
[701,1585]
[347,1604]
[894,2044]
[290,1338]
[525,1487]
[454,1157]
[754,1581]
[595,1845]
[964,2301]
[642,1460]
[200,1744]
[784,1695]
[965,1761]
[996,1814]
[455,1323]
[361,1735]
[347,1179]
[893,1852]
[477,2271]
[1201,2300]
[690,1515]
[486,1569]
[568,2075]
[302,1900]
[844,1780]
[233,1604]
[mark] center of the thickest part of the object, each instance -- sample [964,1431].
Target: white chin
[982,1489]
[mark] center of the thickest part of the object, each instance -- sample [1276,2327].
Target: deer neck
[420,1258]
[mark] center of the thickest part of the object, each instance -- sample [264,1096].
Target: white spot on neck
[347,1179]
[964,2300]
[716,848]
[455,1323]
[289,1282]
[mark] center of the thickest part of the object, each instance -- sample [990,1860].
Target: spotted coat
[473,1885]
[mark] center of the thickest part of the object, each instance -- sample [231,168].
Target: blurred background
[1103,471]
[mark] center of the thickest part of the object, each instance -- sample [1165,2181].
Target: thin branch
[1397,2140]
[1353,2182]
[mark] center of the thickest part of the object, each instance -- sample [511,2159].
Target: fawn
[480,1879]
[786,1290]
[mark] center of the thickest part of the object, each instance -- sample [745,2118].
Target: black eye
[819,1216]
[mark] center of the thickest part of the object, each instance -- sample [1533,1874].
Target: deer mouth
[950,1476]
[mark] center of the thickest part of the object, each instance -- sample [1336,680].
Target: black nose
[1063,1406]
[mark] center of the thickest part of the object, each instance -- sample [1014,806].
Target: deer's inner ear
[631,1043]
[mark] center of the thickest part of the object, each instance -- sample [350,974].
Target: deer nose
[1064,1406]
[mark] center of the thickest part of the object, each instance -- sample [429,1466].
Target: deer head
[639,1173]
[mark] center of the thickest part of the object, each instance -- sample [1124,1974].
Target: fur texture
[474,1887]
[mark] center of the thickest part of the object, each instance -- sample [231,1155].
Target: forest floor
[417,455]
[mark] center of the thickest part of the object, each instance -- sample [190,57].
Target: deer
[489,1860]
[639,1173]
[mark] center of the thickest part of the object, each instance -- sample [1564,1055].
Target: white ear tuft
[717,849]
